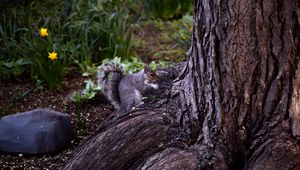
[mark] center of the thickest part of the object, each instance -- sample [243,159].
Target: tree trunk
[235,105]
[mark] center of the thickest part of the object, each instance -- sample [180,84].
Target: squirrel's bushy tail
[108,77]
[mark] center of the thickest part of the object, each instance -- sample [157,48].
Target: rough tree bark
[235,105]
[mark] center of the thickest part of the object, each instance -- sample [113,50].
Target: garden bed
[23,94]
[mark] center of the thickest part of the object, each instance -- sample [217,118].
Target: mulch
[19,95]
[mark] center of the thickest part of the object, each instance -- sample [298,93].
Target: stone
[36,131]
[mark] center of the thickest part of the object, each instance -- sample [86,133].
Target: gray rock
[36,131]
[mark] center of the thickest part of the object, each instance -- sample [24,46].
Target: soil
[91,115]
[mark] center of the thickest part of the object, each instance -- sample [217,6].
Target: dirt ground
[92,114]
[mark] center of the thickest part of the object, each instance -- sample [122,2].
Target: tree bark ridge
[242,76]
[109,150]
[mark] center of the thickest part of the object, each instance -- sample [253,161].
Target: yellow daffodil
[52,56]
[43,32]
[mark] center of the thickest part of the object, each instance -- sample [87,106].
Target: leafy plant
[16,21]
[87,69]
[88,93]
[135,64]
[12,68]
[47,57]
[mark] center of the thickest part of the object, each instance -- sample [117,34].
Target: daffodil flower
[43,32]
[52,56]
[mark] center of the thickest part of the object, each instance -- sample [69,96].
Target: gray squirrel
[125,91]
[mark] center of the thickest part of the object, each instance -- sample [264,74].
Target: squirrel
[125,91]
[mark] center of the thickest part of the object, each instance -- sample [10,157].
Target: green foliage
[17,22]
[36,50]
[178,33]
[79,31]
[23,14]
[100,28]
[134,64]
[167,9]
[13,68]
[158,65]
[88,93]
[182,31]
[89,70]
[174,38]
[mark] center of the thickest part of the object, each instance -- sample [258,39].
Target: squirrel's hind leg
[129,102]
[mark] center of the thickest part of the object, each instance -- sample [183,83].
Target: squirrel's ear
[146,68]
